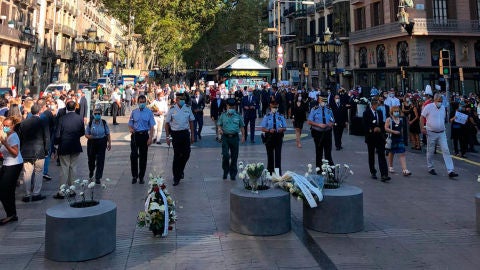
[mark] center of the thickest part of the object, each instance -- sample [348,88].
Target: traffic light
[305,69]
[403,73]
[460,72]
[444,63]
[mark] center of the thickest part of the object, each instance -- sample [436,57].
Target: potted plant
[66,223]
[253,176]
[159,214]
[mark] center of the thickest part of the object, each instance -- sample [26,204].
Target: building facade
[301,27]
[383,47]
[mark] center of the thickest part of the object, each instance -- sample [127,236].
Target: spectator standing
[458,131]
[341,121]
[159,110]
[116,104]
[49,116]
[10,170]
[98,141]
[229,124]
[82,106]
[128,98]
[299,115]
[68,147]
[34,137]
[433,125]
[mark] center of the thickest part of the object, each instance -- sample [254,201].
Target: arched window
[402,54]
[381,56]
[363,55]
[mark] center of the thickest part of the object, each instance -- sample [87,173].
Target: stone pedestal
[261,214]
[341,211]
[80,234]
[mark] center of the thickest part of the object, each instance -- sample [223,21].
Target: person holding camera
[274,125]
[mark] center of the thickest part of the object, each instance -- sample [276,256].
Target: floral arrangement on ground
[253,176]
[84,186]
[159,214]
[334,175]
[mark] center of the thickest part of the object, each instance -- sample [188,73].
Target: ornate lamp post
[87,52]
[330,49]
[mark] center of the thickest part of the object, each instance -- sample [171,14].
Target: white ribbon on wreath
[307,188]
[165,203]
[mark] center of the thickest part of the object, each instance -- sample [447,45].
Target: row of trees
[188,32]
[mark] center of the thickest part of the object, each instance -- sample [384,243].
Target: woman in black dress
[414,125]
[299,115]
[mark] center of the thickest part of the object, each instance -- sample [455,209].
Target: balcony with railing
[289,11]
[64,54]
[58,27]
[301,14]
[423,27]
[49,23]
[292,65]
[15,35]
[319,6]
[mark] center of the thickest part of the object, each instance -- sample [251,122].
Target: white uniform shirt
[179,118]
[435,117]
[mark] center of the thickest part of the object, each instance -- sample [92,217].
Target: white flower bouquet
[159,214]
[362,100]
[83,186]
[334,175]
[253,176]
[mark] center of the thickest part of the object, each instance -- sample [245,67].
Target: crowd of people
[36,130]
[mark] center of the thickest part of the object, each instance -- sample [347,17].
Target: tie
[376,118]
[274,122]
[323,115]
[250,99]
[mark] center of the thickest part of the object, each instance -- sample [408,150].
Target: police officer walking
[321,121]
[229,124]
[274,125]
[141,125]
[179,124]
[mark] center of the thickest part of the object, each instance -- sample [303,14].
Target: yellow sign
[244,73]
[109,65]
[306,71]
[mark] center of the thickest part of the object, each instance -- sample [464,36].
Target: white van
[56,86]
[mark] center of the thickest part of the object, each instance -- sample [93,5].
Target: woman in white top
[10,171]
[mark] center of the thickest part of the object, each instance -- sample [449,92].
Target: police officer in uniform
[141,125]
[274,125]
[321,121]
[179,124]
[229,124]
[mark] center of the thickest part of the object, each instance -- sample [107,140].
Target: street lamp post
[87,52]
[330,49]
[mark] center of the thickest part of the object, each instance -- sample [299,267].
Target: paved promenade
[419,222]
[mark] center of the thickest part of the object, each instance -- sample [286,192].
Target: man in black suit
[198,104]
[67,143]
[375,139]
[250,106]
[35,141]
[340,114]
[217,107]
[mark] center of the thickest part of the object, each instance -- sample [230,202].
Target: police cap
[180,95]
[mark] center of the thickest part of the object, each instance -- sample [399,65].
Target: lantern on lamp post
[329,49]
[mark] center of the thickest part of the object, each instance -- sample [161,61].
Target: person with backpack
[98,136]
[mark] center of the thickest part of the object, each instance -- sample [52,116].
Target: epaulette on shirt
[314,108]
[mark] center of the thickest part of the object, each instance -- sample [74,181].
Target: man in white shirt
[434,114]
[116,104]
[391,100]
[159,108]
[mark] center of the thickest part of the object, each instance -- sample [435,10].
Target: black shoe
[27,199]
[38,197]
[115,124]
[452,174]
[432,172]
[176,182]
[58,162]
[90,175]
[199,137]
[154,141]
[374,176]
[224,177]
[232,178]
[386,178]
[58,196]
[158,143]
[182,176]
[8,219]
[134,180]
[47,177]
[97,181]
[141,181]
[252,141]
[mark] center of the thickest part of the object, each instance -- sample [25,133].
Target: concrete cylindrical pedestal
[80,234]
[261,214]
[341,211]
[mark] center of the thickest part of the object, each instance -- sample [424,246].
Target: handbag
[388,141]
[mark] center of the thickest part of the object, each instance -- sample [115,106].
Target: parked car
[104,81]
[55,86]
[4,90]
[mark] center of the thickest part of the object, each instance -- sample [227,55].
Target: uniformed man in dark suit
[179,124]
[198,104]
[217,107]
[250,105]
